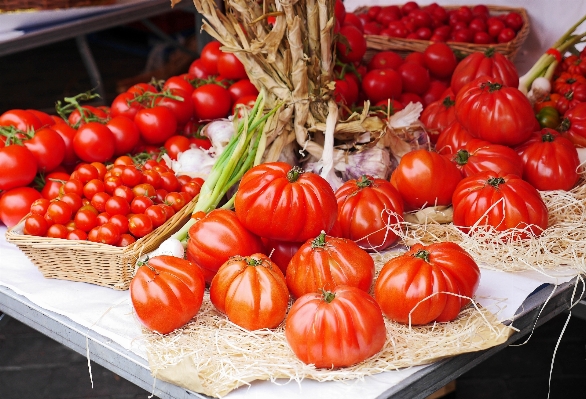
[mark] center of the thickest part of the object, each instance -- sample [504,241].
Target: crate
[376,43]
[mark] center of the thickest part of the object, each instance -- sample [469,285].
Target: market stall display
[254,314]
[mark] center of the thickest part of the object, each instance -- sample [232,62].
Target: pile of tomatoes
[433,22]
[112,205]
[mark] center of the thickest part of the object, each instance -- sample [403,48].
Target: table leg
[91,66]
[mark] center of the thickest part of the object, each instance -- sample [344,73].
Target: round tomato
[242,88]
[175,145]
[382,84]
[125,104]
[48,148]
[211,101]
[425,178]
[251,291]
[209,56]
[370,212]
[502,202]
[437,116]
[139,225]
[337,328]
[181,82]
[179,102]
[67,133]
[414,78]
[94,142]
[479,156]
[53,183]
[18,166]
[216,237]
[35,225]
[281,252]
[573,125]
[156,124]
[440,60]
[21,119]
[548,117]
[125,132]
[15,203]
[385,60]
[490,63]
[494,112]
[550,161]
[284,203]
[414,288]
[166,292]
[230,67]
[324,262]
[452,138]
[352,47]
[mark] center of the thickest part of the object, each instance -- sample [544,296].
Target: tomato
[157,214]
[21,119]
[94,142]
[140,225]
[48,148]
[550,161]
[335,328]
[125,240]
[169,181]
[352,47]
[125,132]
[179,102]
[284,203]
[53,183]
[324,262]
[385,60]
[211,101]
[124,104]
[490,63]
[67,133]
[156,124]
[141,88]
[18,166]
[198,70]
[501,202]
[425,178]
[57,231]
[216,237]
[230,67]
[479,156]
[88,112]
[370,212]
[281,252]
[573,125]
[440,60]
[181,82]
[548,117]
[39,206]
[86,218]
[166,292]
[567,82]
[35,225]
[98,200]
[175,145]
[437,116]
[117,206]
[381,84]
[414,78]
[15,203]
[414,288]
[494,112]
[251,291]
[242,88]
[176,200]
[108,233]
[209,56]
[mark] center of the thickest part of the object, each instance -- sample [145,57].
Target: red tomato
[139,225]
[18,166]
[94,142]
[324,262]
[35,225]
[48,148]
[181,82]
[15,203]
[211,101]
[53,183]
[370,211]
[166,292]
[281,252]
[381,84]
[438,115]
[491,111]
[175,145]
[209,56]
[126,134]
[88,112]
[21,119]
[45,118]
[108,233]
[550,161]
[156,124]
[502,202]
[440,60]
[198,70]
[251,291]
[124,104]
[425,178]
[216,237]
[490,63]
[479,156]
[414,288]
[414,78]
[284,203]
[179,102]
[353,46]
[335,328]
[241,89]
[451,138]
[230,67]
[67,133]
[573,125]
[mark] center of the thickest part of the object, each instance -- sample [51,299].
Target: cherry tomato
[209,56]
[139,225]
[35,225]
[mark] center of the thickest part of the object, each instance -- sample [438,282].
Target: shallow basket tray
[377,43]
[90,262]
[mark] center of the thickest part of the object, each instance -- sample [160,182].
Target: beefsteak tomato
[573,125]
[479,156]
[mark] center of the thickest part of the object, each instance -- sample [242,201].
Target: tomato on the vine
[18,166]
[211,101]
[94,141]
[15,203]
[156,124]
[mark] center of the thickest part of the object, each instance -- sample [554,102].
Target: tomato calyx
[11,135]
[496,181]
[328,296]
[565,125]
[149,99]
[462,157]
[448,102]
[364,182]
[319,241]
[422,254]
[72,104]
[253,261]
[489,52]
[547,138]
[491,86]
[294,174]
[145,263]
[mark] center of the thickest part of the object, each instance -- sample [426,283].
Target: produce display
[300,161]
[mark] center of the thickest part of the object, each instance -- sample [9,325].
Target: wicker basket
[90,262]
[18,5]
[377,43]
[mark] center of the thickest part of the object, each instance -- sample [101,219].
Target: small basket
[21,5]
[376,43]
[91,262]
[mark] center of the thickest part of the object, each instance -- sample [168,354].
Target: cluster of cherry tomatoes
[433,22]
[111,205]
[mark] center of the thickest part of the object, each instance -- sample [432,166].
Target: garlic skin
[195,162]
[219,132]
[374,161]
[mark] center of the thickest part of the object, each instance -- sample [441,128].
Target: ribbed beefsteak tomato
[479,156]
[166,292]
[325,262]
[285,203]
[370,210]
[216,237]
[425,178]
[504,202]
[491,111]
[251,291]
[335,328]
[438,115]
[573,125]
[550,161]
[451,138]
[414,287]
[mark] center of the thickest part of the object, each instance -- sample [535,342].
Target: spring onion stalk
[244,150]
[547,63]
